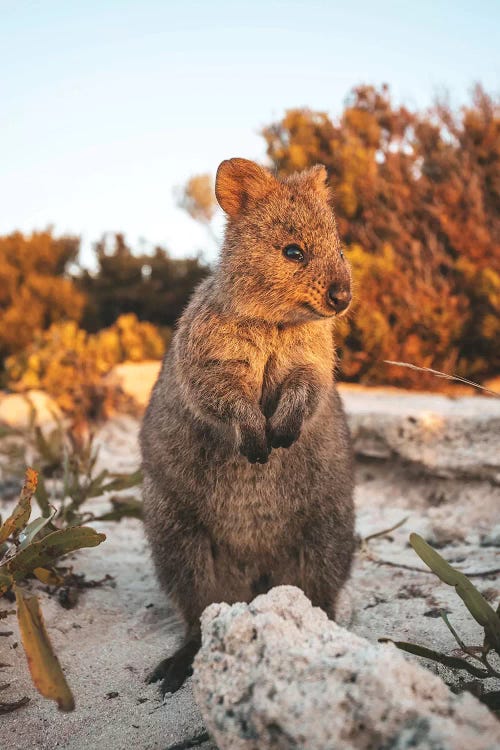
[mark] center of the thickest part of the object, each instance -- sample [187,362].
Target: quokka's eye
[342,254]
[293,252]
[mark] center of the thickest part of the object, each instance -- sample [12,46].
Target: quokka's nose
[338,297]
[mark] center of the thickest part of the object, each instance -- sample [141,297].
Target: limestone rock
[492,539]
[135,379]
[16,410]
[446,437]
[277,673]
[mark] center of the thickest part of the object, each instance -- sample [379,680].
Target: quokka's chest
[275,364]
[249,507]
[274,373]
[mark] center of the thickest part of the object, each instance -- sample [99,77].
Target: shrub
[32,549]
[35,288]
[155,287]
[68,363]
[417,199]
[65,480]
[481,661]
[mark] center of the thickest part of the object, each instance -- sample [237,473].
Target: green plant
[479,661]
[68,479]
[65,459]
[32,548]
[65,480]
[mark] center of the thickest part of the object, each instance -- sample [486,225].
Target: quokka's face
[282,249]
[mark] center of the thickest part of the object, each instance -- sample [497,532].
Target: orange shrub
[35,290]
[69,363]
[417,198]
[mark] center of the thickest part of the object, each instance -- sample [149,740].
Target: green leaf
[123,482]
[32,529]
[43,553]
[123,507]
[486,644]
[44,666]
[454,662]
[96,486]
[477,605]
[21,513]
[50,448]
[452,630]
[42,497]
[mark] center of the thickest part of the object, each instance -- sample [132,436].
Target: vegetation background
[107,106]
[112,105]
[417,198]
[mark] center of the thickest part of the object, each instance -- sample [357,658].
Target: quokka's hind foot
[174,671]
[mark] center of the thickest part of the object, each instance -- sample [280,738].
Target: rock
[492,539]
[135,379]
[277,673]
[16,410]
[445,437]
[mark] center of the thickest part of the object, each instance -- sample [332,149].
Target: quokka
[248,476]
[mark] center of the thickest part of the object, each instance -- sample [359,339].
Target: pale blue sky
[106,106]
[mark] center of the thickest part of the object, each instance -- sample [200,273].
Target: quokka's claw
[175,679]
[174,670]
[159,671]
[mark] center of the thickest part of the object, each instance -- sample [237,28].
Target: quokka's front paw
[254,444]
[283,432]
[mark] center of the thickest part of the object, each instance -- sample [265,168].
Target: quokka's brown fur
[228,511]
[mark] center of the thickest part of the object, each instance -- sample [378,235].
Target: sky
[106,107]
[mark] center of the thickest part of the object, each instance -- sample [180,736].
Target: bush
[32,549]
[65,479]
[35,288]
[417,199]
[154,287]
[68,363]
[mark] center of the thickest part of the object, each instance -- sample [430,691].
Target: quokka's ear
[241,180]
[317,178]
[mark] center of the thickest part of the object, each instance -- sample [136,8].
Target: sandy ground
[117,632]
